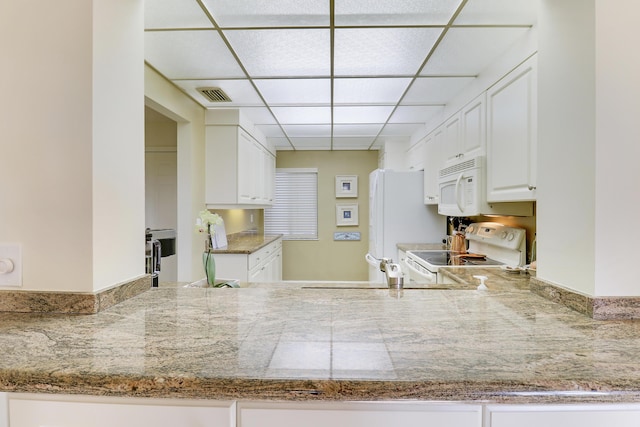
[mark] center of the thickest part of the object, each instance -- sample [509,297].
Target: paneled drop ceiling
[331,74]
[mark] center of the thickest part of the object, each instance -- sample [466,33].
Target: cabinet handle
[531,187]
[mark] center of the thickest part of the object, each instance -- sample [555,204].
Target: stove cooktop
[445,258]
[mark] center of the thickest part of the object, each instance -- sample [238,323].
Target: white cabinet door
[473,132]
[451,138]
[76,411]
[415,156]
[563,416]
[512,136]
[432,164]
[350,414]
[247,157]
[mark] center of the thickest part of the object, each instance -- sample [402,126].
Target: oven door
[416,274]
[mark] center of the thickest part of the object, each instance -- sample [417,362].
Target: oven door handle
[427,275]
[458,192]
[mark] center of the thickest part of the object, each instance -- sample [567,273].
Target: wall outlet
[10,264]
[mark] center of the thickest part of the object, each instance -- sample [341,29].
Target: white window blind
[294,212]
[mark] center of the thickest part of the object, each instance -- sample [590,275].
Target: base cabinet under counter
[263,265]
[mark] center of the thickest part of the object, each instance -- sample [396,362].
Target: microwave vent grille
[459,167]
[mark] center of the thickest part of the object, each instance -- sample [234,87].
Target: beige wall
[326,259]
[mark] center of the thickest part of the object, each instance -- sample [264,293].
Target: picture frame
[346,186]
[346,214]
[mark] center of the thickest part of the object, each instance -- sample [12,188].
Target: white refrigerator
[397,214]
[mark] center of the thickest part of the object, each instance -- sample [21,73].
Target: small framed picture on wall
[346,185]
[346,214]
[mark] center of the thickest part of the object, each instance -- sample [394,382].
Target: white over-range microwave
[462,192]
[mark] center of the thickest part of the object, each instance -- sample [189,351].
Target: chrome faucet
[392,272]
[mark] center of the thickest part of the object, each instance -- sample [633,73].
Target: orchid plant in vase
[205,223]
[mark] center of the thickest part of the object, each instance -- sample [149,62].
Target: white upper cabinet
[415,156]
[512,135]
[464,133]
[432,164]
[240,170]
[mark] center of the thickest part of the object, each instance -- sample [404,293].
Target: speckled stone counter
[291,342]
[246,243]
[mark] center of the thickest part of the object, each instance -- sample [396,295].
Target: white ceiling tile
[190,55]
[174,14]
[498,12]
[415,114]
[363,114]
[241,92]
[369,91]
[356,130]
[435,90]
[288,52]
[272,13]
[295,91]
[302,115]
[396,12]
[395,129]
[271,131]
[380,51]
[468,51]
[307,130]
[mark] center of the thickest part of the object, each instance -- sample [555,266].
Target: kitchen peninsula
[302,341]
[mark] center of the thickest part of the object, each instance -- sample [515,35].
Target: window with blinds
[294,212]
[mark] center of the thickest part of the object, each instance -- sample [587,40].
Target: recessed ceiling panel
[468,51]
[435,90]
[295,91]
[498,12]
[356,130]
[382,51]
[271,13]
[307,130]
[272,53]
[369,91]
[363,114]
[395,12]
[174,14]
[190,55]
[303,115]
[414,114]
[395,129]
[241,92]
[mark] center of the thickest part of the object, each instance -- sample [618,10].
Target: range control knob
[511,236]
[503,235]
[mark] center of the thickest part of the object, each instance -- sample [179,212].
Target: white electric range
[489,244]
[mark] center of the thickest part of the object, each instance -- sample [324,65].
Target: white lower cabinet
[352,414]
[78,411]
[563,415]
[263,265]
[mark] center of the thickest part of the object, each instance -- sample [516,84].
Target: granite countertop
[286,341]
[246,243]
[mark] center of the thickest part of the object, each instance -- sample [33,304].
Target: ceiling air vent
[214,94]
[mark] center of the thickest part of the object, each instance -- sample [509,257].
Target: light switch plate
[13,252]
